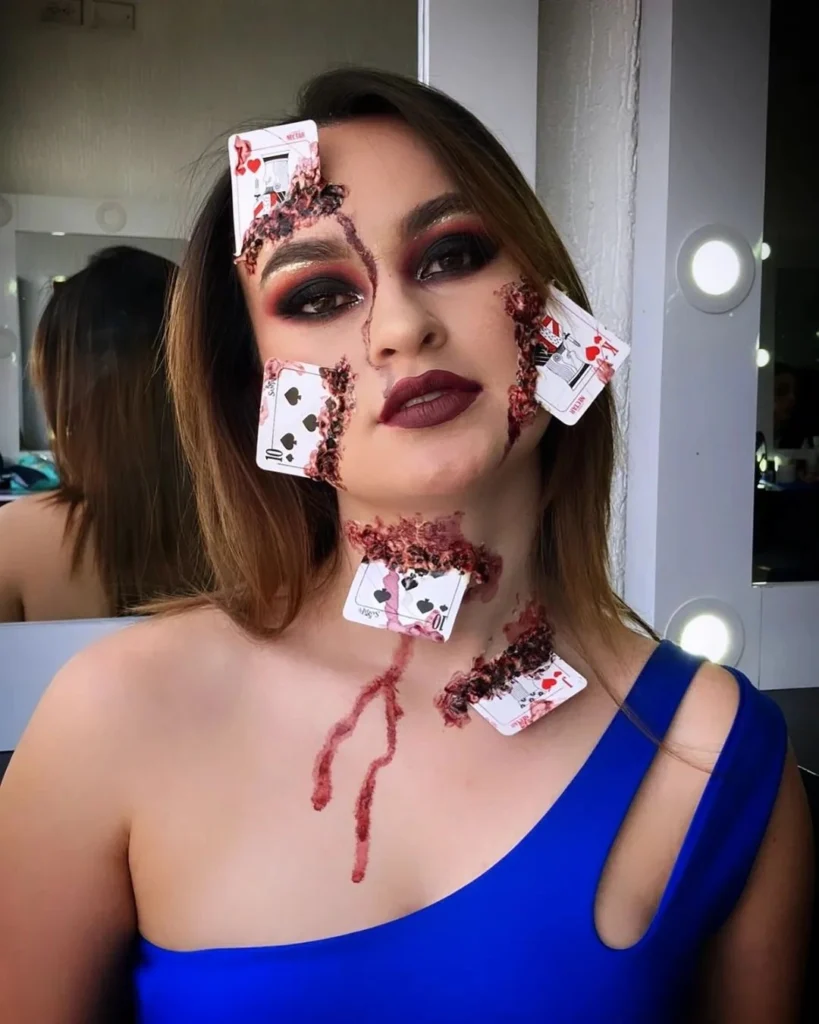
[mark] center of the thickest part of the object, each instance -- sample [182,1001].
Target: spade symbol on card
[288,441]
[381,596]
[409,583]
[424,606]
[310,422]
[289,458]
[292,395]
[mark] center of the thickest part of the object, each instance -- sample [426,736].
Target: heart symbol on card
[288,441]
[381,596]
[240,170]
[293,396]
[254,164]
[310,422]
[547,684]
[592,352]
[424,606]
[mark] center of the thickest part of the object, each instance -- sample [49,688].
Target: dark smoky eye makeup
[453,250]
[316,296]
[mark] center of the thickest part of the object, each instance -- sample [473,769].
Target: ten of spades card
[294,396]
[262,164]
[414,601]
[577,357]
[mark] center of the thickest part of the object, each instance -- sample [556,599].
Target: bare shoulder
[31,515]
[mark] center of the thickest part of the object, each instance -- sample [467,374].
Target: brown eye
[318,299]
[456,254]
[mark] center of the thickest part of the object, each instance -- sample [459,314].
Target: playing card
[412,601]
[531,697]
[577,357]
[262,164]
[293,398]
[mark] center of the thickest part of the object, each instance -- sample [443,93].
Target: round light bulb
[764,251]
[706,635]
[763,357]
[715,267]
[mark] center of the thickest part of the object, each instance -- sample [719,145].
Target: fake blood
[524,304]
[530,646]
[367,258]
[324,463]
[386,683]
[431,545]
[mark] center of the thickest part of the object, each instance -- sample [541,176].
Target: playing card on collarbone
[262,165]
[294,400]
[531,697]
[414,601]
[577,357]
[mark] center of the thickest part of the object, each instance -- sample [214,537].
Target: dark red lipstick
[434,397]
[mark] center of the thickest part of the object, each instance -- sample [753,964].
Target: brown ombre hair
[272,538]
[98,361]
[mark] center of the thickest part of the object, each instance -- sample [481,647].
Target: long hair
[272,538]
[98,362]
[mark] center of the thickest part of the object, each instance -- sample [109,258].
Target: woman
[120,530]
[284,815]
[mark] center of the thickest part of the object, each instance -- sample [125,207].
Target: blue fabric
[480,956]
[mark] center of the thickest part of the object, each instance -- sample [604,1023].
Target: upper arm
[754,968]
[66,903]
[11,597]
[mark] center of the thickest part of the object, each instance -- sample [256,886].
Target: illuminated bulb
[706,635]
[58,279]
[58,234]
[715,267]
[764,251]
[763,357]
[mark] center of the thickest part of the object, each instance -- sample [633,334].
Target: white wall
[123,114]
[586,151]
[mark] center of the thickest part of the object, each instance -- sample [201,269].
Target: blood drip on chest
[530,647]
[525,305]
[309,199]
[436,545]
[386,684]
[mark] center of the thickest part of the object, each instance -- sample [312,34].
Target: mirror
[104,146]
[786,496]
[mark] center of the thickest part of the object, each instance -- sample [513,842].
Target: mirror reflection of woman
[268,797]
[120,530]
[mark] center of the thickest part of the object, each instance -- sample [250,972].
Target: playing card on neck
[577,357]
[294,397]
[411,601]
[531,697]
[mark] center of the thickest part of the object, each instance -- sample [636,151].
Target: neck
[501,519]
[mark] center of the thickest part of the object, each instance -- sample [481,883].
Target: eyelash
[476,248]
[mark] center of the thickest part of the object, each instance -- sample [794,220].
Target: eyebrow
[315,250]
[426,214]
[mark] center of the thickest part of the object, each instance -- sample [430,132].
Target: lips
[434,397]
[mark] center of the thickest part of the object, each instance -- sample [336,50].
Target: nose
[402,324]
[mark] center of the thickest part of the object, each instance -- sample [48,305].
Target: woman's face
[405,281]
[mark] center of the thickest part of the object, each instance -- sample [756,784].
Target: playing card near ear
[294,397]
[531,697]
[577,357]
[413,601]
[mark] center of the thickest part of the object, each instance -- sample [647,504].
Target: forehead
[386,168]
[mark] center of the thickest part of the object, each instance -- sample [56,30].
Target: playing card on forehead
[293,398]
[577,357]
[531,697]
[262,165]
[406,601]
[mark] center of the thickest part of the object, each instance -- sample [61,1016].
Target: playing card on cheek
[576,359]
[531,697]
[413,601]
[262,165]
[294,397]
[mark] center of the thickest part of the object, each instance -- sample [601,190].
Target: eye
[463,253]
[318,300]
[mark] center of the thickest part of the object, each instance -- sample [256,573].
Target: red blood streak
[526,307]
[431,545]
[530,647]
[367,258]
[386,683]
